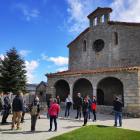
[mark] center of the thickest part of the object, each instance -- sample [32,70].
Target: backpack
[34,110]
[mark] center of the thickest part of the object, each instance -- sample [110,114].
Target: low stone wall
[109,111]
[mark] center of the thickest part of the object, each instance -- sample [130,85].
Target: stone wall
[129,78]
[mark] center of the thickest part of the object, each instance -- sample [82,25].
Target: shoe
[84,124]
[120,125]
[49,130]
[115,125]
[68,117]
[76,118]
[32,130]
[12,128]
[55,130]
[94,120]
[38,117]
[19,128]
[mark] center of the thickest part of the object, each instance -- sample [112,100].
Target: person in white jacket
[68,104]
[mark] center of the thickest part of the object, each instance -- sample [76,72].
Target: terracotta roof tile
[100,9]
[124,23]
[68,72]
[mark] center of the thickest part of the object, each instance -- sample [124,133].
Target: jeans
[51,121]
[85,117]
[48,112]
[120,117]
[0,113]
[17,115]
[94,113]
[58,112]
[33,122]
[22,119]
[78,111]
[88,115]
[5,115]
[67,110]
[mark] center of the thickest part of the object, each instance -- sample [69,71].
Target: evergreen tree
[12,73]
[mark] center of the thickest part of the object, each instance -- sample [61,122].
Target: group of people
[19,108]
[86,106]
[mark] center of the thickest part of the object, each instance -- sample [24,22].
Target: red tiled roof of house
[68,72]
[100,9]
[124,23]
[79,36]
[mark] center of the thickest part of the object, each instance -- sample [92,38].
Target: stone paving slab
[64,125]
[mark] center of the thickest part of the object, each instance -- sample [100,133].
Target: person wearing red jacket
[54,109]
[94,107]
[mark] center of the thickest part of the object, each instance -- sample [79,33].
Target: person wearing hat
[24,111]
[54,109]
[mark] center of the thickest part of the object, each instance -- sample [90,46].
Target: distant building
[31,89]
[41,88]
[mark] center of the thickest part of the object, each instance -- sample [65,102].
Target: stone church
[104,61]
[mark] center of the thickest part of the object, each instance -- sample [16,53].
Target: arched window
[84,45]
[102,18]
[115,38]
[95,21]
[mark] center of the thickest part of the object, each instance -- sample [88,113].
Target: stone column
[95,91]
[71,94]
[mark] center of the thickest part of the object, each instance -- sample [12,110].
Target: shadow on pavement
[69,127]
[24,132]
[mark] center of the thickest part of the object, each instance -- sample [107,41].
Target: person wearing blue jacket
[89,106]
[24,111]
[7,107]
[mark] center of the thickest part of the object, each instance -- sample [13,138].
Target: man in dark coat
[118,110]
[79,102]
[17,110]
[7,107]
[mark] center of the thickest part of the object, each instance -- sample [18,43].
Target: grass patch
[99,132]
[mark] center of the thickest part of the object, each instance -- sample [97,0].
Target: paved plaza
[64,125]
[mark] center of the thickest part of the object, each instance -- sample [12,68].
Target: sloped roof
[124,23]
[79,36]
[45,83]
[100,9]
[68,72]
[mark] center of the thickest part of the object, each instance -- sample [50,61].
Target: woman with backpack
[35,109]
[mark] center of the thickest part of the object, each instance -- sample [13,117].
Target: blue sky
[41,29]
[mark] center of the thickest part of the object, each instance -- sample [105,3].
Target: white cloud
[79,9]
[24,52]
[28,13]
[44,56]
[30,67]
[126,10]
[62,69]
[48,66]
[59,60]
[2,56]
